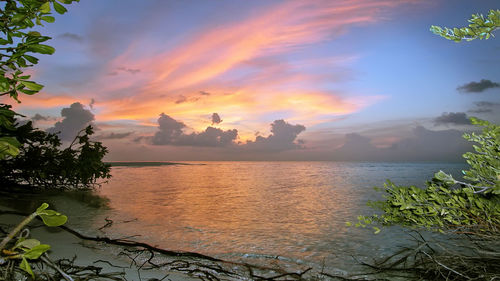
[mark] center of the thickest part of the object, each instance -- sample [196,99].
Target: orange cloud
[43,100]
[236,63]
[279,29]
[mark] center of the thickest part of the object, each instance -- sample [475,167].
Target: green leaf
[36,252]
[34,34]
[26,267]
[49,19]
[21,62]
[377,230]
[9,146]
[28,243]
[441,175]
[31,59]
[59,8]
[42,207]
[45,8]
[52,218]
[18,18]
[42,49]
[32,85]
[28,92]
[4,86]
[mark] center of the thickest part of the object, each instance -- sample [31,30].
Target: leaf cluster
[9,145]
[18,45]
[440,208]
[485,161]
[18,42]
[479,27]
[447,204]
[24,249]
[43,163]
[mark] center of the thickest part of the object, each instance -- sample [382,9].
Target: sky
[359,80]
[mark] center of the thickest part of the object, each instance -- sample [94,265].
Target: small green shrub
[446,204]
[42,162]
[24,249]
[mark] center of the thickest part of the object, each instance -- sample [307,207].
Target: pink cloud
[278,29]
[43,100]
[238,64]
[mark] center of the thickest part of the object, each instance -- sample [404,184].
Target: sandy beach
[117,262]
[131,262]
[65,245]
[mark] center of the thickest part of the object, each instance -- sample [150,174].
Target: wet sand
[66,246]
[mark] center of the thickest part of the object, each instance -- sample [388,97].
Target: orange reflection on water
[233,207]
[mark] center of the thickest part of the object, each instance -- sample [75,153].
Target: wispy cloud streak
[242,64]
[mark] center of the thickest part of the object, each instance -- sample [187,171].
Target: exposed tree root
[472,258]
[144,257]
[63,269]
[479,259]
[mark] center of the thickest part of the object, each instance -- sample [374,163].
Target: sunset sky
[267,80]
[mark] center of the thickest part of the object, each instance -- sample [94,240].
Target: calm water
[259,210]
[254,211]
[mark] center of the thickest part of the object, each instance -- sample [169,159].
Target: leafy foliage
[446,204]
[485,163]
[27,155]
[25,249]
[42,163]
[17,45]
[9,145]
[479,27]
[50,217]
[17,17]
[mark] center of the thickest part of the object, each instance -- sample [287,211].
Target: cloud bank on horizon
[293,80]
[281,144]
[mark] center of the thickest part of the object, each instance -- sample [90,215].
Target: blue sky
[337,69]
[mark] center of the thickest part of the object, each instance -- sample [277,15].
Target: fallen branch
[199,269]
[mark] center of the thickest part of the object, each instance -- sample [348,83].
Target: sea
[294,213]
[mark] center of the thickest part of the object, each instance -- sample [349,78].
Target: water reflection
[231,209]
[251,211]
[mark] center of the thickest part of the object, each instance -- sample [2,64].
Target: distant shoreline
[145,164]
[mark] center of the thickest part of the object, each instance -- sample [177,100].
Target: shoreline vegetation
[34,159]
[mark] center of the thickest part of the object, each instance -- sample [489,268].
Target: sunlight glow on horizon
[365,71]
